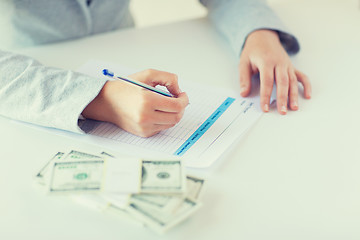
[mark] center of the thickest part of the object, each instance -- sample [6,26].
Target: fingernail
[295,104]
[283,109]
[266,108]
[242,90]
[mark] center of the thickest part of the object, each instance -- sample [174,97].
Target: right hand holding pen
[137,110]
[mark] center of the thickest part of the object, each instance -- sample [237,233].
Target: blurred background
[154,12]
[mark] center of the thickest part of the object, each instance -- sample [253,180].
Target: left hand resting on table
[264,54]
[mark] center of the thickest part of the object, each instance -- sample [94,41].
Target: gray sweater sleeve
[43,95]
[235,19]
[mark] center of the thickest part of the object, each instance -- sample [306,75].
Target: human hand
[137,110]
[264,54]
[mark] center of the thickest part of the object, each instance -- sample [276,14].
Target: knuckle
[293,95]
[177,117]
[267,79]
[265,93]
[292,79]
[244,78]
[264,101]
[265,96]
[294,87]
[174,77]
[282,96]
[283,82]
[149,71]
[178,106]
[268,83]
[293,91]
[268,59]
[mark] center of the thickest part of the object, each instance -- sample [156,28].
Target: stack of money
[157,193]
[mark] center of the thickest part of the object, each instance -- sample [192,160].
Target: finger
[152,130]
[155,77]
[172,105]
[266,86]
[301,77]
[166,118]
[245,73]
[282,88]
[293,90]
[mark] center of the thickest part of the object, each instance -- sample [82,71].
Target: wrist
[98,108]
[263,38]
[263,33]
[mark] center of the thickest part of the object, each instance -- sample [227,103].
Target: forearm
[236,19]
[42,95]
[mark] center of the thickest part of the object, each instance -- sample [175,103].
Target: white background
[148,13]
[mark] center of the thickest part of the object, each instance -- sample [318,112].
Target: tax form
[213,121]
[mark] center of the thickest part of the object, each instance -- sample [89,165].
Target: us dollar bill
[42,175]
[75,177]
[194,187]
[163,176]
[170,202]
[161,221]
[106,154]
[77,155]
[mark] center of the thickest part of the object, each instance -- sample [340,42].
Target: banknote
[81,176]
[41,176]
[169,203]
[77,155]
[165,176]
[106,154]
[72,155]
[161,221]
[194,187]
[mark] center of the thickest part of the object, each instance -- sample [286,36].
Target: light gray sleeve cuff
[43,95]
[236,19]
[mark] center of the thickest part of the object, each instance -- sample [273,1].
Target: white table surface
[292,177]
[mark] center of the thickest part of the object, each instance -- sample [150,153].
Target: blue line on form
[204,127]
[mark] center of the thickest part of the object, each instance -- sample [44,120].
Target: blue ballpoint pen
[109,73]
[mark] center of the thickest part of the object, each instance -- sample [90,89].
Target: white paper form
[213,120]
